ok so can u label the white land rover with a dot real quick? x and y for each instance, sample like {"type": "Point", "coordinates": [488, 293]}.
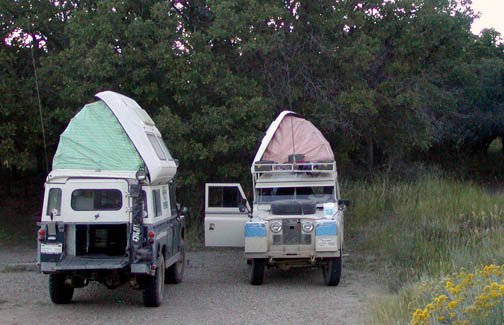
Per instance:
{"type": "Point", "coordinates": [109, 211]}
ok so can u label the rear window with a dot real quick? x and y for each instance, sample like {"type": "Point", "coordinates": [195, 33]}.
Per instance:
{"type": "Point", "coordinates": [96, 200]}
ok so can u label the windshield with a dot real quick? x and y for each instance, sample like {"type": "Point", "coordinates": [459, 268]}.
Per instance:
{"type": "Point", "coordinates": [317, 194]}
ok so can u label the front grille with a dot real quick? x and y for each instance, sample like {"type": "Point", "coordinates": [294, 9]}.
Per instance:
{"type": "Point", "coordinates": [291, 232]}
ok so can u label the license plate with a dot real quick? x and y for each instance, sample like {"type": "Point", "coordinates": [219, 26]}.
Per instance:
{"type": "Point", "coordinates": [51, 248]}
{"type": "Point", "coordinates": [326, 242]}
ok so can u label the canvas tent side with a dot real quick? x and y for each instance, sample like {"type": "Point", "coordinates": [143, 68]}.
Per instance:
{"type": "Point", "coordinates": [291, 134]}
{"type": "Point", "coordinates": [113, 137]}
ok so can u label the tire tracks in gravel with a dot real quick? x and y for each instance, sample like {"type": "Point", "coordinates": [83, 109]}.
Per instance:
{"type": "Point", "coordinates": [215, 290]}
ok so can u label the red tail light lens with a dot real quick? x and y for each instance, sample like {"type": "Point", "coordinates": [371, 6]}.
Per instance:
{"type": "Point", "coordinates": [41, 235]}
{"type": "Point", "coordinates": [151, 235]}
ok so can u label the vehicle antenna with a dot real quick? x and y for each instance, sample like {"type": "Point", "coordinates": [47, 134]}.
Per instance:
{"type": "Point", "coordinates": [40, 108]}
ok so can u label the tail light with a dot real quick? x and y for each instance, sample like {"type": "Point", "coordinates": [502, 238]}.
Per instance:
{"type": "Point", "coordinates": [151, 235]}
{"type": "Point", "coordinates": [41, 235]}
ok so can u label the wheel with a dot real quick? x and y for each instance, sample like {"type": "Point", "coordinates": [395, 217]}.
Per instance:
{"type": "Point", "coordinates": [153, 286]}
{"type": "Point", "coordinates": [175, 273]}
{"type": "Point", "coordinates": [60, 292]}
{"type": "Point", "coordinates": [332, 271]}
{"type": "Point", "coordinates": [257, 274]}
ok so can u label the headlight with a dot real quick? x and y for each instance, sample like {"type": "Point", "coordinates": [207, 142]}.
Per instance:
{"type": "Point", "coordinates": [307, 226]}
{"type": "Point", "coordinates": [276, 226]}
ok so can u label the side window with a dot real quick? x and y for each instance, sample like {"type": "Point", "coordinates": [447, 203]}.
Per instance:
{"type": "Point", "coordinates": [168, 153]}
{"type": "Point", "coordinates": [96, 200]}
{"type": "Point", "coordinates": [54, 202]}
{"type": "Point", "coordinates": [173, 202]}
{"type": "Point", "coordinates": [224, 197]}
{"type": "Point", "coordinates": [144, 204]}
{"type": "Point", "coordinates": [156, 198]}
{"type": "Point", "coordinates": [157, 147]}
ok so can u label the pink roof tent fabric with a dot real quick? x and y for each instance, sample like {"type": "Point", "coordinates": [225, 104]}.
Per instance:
{"type": "Point", "coordinates": [295, 135]}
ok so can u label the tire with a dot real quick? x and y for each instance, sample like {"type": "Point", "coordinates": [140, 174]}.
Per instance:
{"type": "Point", "coordinates": [332, 271]}
{"type": "Point", "coordinates": [60, 292]}
{"type": "Point", "coordinates": [153, 286]}
{"type": "Point", "coordinates": [175, 273]}
{"type": "Point", "coordinates": [257, 273]}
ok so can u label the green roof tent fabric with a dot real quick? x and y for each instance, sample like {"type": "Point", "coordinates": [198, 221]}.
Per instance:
{"type": "Point", "coordinates": [95, 140]}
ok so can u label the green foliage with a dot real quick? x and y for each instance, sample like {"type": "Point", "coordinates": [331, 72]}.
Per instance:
{"type": "Point", "coordinates": [383, 80]}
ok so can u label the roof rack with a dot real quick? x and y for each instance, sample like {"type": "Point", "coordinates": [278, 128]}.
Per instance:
{"type": "Point", "coordinates": [294, 167]}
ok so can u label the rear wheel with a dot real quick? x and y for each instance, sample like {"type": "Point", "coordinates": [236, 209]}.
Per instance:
{"type": "Point", "coordinates": [332, 271]}
{"type": "Point", "coordinates": [153, 286]}
{"type": "Point", "coordinates": [60, 292]}
{"type": "Point", "coordinates": [257, 273]}
{"type": "Point", "coordinates": [175, 273]}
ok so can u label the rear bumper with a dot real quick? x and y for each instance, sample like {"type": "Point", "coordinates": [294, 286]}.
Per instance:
{"type": "Point", "coordinates": [85, 263]}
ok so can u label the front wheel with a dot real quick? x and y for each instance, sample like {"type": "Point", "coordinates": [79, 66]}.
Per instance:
{"type": "Point", "coordinates": [153, 286]}
{"type": "Point", "coordinates": [332, 271]}
{"type": "Point", "coordinates": [257, 273]}
{"type": "Point", "coordinates": [175, 273]}
{"type": "Point", "coordinates": [60, 292]}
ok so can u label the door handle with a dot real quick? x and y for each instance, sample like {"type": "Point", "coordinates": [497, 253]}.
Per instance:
{"type": "Point", "coordinates": [212, 227]}
{"type": "Point", "coordinates": [97, 216]}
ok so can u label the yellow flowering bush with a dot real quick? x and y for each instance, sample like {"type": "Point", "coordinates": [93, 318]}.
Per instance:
{"type": "Point", "coordinates": [466, 298]}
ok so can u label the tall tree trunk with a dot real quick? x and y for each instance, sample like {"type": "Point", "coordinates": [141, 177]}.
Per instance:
{"type": "Point", "coordinates": [370, 151]}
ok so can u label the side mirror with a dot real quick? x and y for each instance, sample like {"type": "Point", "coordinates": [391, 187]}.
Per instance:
{"type": "Point", "coordinates": [243, 206]}
{"type": "Point", "coordinates": [344, 203]}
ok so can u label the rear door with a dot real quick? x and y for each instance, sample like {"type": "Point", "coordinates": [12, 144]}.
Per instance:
{"type": "Point", "coordinates": [224, 223]}
{"type": "Point", "coordinates": [96, 201]}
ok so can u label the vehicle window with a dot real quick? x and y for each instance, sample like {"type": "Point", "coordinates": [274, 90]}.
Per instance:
{"type": "Point", "coordinates": [144, 204]}
{"type": "Point", "coordinates": [275, 194]}
{"type": "Point", "coordinates": [318, 194]}
{"type": "Point", "coordinates": [224, 197]}
{"type": "Point", "coordinates": [54, 202]}
{"type": "Point", "coordinates": [96, 200]}
{"type": "Point", "coordinates": [157, 147]}
{"type": "Point", "coordinates": [168, 153]}
{"type": "Point", "coordinates": [173, 202]}
{"type": "Point", "coordinates": [156, 197]}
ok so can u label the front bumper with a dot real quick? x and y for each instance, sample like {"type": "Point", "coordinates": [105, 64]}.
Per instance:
{"type": "Point", "coordinates": [309, 255]}
{"type": "Point", "coordinates": [292, 243]}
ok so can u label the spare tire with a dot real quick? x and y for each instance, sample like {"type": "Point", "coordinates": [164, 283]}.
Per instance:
{"type": "Point", "coordinates": [293, 207]}
{"type": "Point", "coordinates": [308, 207]}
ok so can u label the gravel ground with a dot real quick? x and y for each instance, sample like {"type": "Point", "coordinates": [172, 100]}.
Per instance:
{"type": "Point", "coordinates": [215, 290]}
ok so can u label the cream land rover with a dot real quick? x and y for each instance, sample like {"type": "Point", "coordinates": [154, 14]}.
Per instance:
{"type": "Point", "coordinates": [297, 218]}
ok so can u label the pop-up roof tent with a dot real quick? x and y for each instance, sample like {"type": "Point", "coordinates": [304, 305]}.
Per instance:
{"type": "Point", "coordinates": [113, 137]}
{"type": "Point", "coordinates": [291, 134]}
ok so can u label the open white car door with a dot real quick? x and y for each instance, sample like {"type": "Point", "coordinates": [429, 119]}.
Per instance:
{"type": "Point", "coordinates": [224, 223]}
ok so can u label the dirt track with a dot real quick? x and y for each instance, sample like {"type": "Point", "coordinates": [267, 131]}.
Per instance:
{"type": "Point", "coordinates": [215, 290]}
